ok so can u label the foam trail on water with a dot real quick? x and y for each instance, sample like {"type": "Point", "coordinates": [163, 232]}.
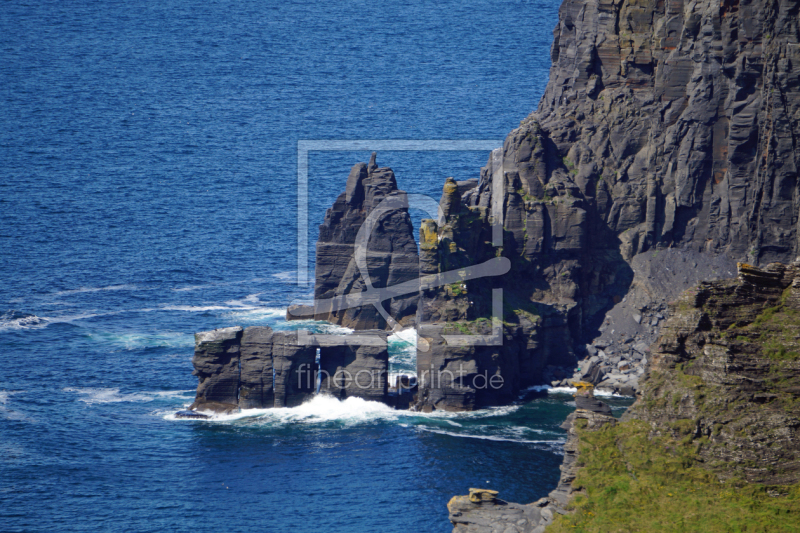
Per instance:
{"type": "Point", "coordinates": [556, 442]}
{"type": "Point", "coordinates": [112, 395]}
{"type": "Point", "coordinates": [14, 320]}
{"type": "Point", "coordinates": [134, 341]}
{"type": "Point", "coordinates": [123, 287]}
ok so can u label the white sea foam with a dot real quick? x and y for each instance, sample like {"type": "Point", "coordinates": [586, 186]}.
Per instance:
{"type": "Point", "coordinates": [250, 314]}
{"type": "Point", "coordinates": [134, 341]}
{"type": "Point", "coordinates": [290, 276]}
{"type": "Point", "coordinates": [123, 287]}
{"type": "Point", "coordinates": [320, 409]}
{"type": "Point", "coordinates": [113, 395]}
{"type": "Point", "coordinates": [8, 413]}
{"type": "Point", "coordinates": [323, 409]}
{"type": "Point", "coordinates": [12, 321]}
{"type": "Point", "coordinates": [572, 390]}
{"type": "Point", "coordinates": [403, 347]}
{"type": "Point", "coordinates": [549, 443]}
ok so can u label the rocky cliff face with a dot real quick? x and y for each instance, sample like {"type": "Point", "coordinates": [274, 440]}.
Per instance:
{"type": "Point", "coordinates": [727, 367]}
{"type": "Point", "coordinates": [677, 121]}
{"type": "Point", "coordinates": [389, 250]}
{"type": "Point", "coordinates": [664, 126]}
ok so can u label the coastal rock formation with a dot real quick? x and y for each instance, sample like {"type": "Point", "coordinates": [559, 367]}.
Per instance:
{"type": "Point", "coordinates": [728, 363]}
{"type": "Point", "coordinates": [455, 376]}
{"type": "Point", "coordinates": [257, 368]}
{"type": "Point", "coordinates": [356, 369]}
{"type": "Point", "coordinates": [676, 121]}
{"type": "Point", "coordinates": [664, 127]}
{"type": "Point", "coordinates": [390, 255]}
{"type": "Point", "coordinates": [252, 368]}
{"type": "Point", "coordinates": [216, 365]}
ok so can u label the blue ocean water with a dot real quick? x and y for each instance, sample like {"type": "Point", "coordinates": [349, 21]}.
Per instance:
{"type": "Point", "coordinates": [148, 190]}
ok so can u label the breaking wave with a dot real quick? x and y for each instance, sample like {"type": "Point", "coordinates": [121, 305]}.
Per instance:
{"type": "Point", "coordinates": [403, 350]}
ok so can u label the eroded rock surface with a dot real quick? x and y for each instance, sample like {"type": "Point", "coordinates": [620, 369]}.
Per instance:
{"type": "Point", "coordinates": [357, 370]}
{"type": "Point", "coordinates": [727, 368]}
{"type": "Point", "coordinates": [371, 195]}
{"type": "Point", "coordinates": [257, 368]}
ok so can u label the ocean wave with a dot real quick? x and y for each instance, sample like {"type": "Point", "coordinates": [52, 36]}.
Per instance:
{"type": "Point", "coordinates": [6, 412]}
{"type": "Point", "coordinates": [325, 409]}
{"type": "Point", "coordinates": [92, 396]}
{"type": "Point", "coordinates": [249, 314]}
{"type": "Point", "coordinates": [320, 409]}
{"type": "Point", "coordinates": [403, 348]}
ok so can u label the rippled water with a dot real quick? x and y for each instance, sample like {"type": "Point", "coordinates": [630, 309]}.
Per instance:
{"type": "Point", "coordinates": [148, 191]}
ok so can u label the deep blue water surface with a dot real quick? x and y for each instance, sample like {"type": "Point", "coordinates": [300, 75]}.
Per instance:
{"type": "Point", "coordinates": [148, 190]}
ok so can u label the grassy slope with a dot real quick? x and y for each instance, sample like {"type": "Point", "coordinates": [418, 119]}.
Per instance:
{"type": "Point", "coordinates": [632, 483]}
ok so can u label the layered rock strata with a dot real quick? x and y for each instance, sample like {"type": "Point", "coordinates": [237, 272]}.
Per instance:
{"type": "Point", "coordinates": [256, 368]}
{"type": "Point", "coordinates": [727, 368]}
{"type": "Point", "coordinates": [356, 370]}
{"type": "Point", "coordinates": [664, 126]}
{"type": "Point", "coordinates": [371, 206]}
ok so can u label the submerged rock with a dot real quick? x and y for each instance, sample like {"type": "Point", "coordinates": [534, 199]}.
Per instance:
{"type": "Point", "coordinates": [191, 414]}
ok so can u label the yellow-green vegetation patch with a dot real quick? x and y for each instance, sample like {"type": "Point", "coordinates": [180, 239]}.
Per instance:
{"type": "Point", "coordinates": [777, 329]}
{"type": "Point", "coordinates": [633, 482]}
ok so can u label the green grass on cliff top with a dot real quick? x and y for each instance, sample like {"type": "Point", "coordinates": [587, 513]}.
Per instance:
{"type": "Point", "coordinates": [634, 483]}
